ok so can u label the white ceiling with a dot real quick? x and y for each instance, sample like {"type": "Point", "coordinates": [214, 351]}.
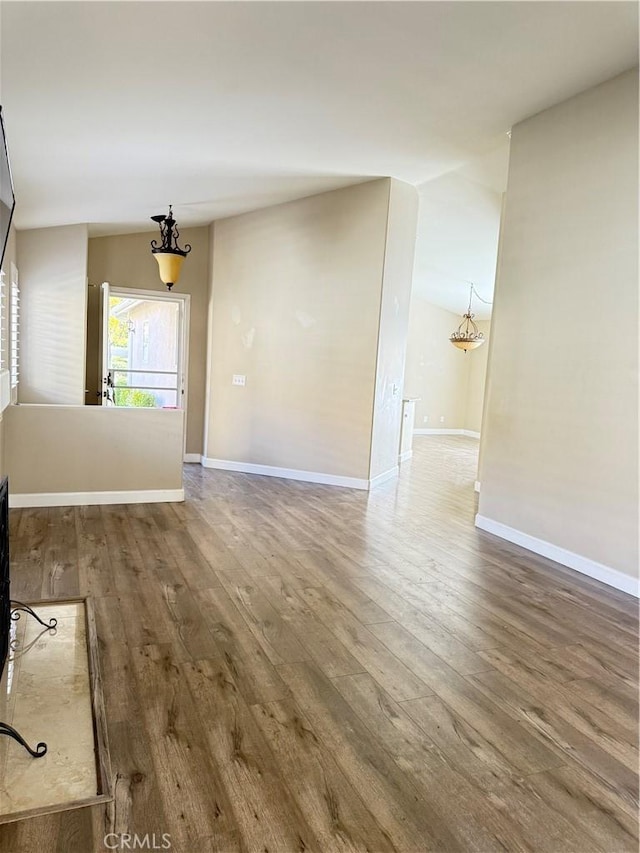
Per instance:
{"type": "Point", "coordinates": [113, 110]}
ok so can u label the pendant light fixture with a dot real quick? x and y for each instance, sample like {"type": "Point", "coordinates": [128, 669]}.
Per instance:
{"type": "Point", "coordinates": [168, 254]}
{"type": "Point", "coordinates": [467, 336]}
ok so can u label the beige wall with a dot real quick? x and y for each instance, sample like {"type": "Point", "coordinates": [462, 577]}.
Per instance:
{"type": "Point", "coordinates": [126, 261]}
{"type": "Point", "coordinates": [560, 461]}
{"type": "Point", "coordinates": [52, 265]}
{"type": "Point", "coordinates": [394, 321]}
{"type": "Point", "coordinates": [56, 449]}
{"type": "Point", "coordinates": [295, 305]}
{"type": "Point", "coordinates": [449, 383]}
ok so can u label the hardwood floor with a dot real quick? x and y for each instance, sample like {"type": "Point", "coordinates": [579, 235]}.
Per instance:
{"type": "Point", "coordinates": [292, 667]}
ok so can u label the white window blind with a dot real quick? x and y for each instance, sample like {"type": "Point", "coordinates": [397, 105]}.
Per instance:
{"type": "Point", "coordinates": [4, 324]}
{"type": "Point", "coordinates": [14, 329]}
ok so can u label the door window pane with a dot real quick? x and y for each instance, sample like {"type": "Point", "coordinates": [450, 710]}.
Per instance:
{"type": "Point", "coordinates": [142, 359]}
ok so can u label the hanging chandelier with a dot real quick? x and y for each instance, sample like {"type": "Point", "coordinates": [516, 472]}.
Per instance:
{"type": "Point", "coordinates": [168, 254]}
{"type": "Point", "coordinates": [467, 336]}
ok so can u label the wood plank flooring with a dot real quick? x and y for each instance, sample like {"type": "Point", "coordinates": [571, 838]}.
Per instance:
{"type": "Point", "coordinates": [292, 667]}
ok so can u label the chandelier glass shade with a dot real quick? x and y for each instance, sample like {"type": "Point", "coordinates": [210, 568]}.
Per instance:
{"type": "Point", "coordinates": [467, 336]}
{"type": "Point", "coordinates": [168, 254]}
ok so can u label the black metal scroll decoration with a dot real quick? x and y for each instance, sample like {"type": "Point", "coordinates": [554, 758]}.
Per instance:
{"type": "Point", "coordinates": [38, 752]}
{"type": "Point", "coordinates": [5, 728]}
{"type": "Point", "coordinates": [169, 235]}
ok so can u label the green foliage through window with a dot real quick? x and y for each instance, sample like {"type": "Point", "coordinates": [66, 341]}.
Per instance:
{"type": "Point", "coordinates": [134, 397]}
{"type": "Point", "coordinates": [118, 327]}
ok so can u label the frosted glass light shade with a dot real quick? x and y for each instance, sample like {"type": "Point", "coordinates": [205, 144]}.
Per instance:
{"type": "Point", "coordinates": [169, 265]}
{"type": "Point", "coordinates": [467, 345]}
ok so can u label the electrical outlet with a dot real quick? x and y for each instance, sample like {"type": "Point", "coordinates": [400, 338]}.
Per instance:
{"type": "Point", "coordinates": [239, 379]}
{"type": "Point", "coordinates": [441, 419]}
{"type": "Point", "coordinates": [425, 419]}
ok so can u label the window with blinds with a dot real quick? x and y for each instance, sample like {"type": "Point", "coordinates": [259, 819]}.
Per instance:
{"type": "Point", "coordinates": [14, 330]}
{"type": "Point", "coordinates": [4, 324]}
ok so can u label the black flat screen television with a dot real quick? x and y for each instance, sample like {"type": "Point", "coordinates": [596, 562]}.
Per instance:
{"type": "Point", "coordinates": [7, 197]}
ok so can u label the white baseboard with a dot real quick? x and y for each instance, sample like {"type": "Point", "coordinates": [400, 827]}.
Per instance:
{"type": "Point", "coordinates": [95, 498]}
{"type": "Point", "coordinates": [437, 432]}
{"type": "Point", "coordinates": [406, 455]}
{"type": "Point", "coordinates": [382, 478]}
{"type": "Point", "coordinates": [469, 433]}
{"type": "Point", "coordinates": [605, 574]}
{"type": "Point", "coordinates": [192, 457]}
{"type": "Point", "coordinates": [476, 487]}
{"type": "Point", "coordinates": [287, 473]}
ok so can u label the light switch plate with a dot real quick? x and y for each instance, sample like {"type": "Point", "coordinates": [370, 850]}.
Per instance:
{"type": "Point", "coordinates": [239, 379]}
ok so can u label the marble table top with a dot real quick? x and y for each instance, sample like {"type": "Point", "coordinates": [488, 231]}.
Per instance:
{"type": "Point", "coordinates": [45, 694]}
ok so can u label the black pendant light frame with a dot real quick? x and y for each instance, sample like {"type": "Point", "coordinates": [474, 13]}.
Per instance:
{"type": "Point", "coordinates": [169, 235]}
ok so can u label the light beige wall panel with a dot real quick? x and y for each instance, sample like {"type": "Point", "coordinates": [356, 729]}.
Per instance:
{"type": "Point", "coordinates": [92, 449]}
{"type": "Point", "coordinates": [52, 263]}
{"type": "Point", "coordinates": [436, 371]}
{"type": "Point", "coordinates": [477, 363]}
{"type": "Point", "coordinates": [394, 321]}
{"type": "Point", "coordinates": [295, 306]}
{"type": "Point", "coordinates": [126, 261]}
{"type": "Point", "coordinates": [560, 461]}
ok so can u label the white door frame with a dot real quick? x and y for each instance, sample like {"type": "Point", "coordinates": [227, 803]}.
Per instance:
{"type": "Point", "coordinates": [184, 302]}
